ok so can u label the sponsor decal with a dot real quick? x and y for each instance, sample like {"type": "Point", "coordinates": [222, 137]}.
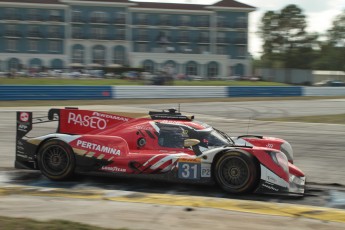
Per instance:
{"type": "Point", "coordinates": [24, 117]}
{"type": "Point", "coordinates": [110, 116]}
{"type": "Point", "coordinates": [113, 169]}
{"type": "Point", "coordinates": [270, 186]}
{"type": "Point", "coordinates": [97, 147]}
{"type": "Point", "coordinates": [205, 170]}
{"type": "Point", "coordinates": [87, 121]}
{"type": "Point", "coordinates": [189, 160]}
{"type": "Point", "coordinates": [22, 127]}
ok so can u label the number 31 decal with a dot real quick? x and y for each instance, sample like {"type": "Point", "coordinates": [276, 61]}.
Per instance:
{"type": "Point", "coordinates": [188, 170]}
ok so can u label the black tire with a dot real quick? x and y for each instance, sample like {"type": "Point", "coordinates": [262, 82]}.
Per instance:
{"type": "Point", "coordinates": [237, 172]}
{"type": "Point", "coordinates": [56, 160]}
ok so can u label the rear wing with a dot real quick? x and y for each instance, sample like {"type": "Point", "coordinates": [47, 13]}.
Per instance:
{"type": "Point", "coordinates": [71, 120]}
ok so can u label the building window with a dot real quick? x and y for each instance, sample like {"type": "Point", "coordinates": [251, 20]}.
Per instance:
{"type": "Point", "coordinates": [34, 15]}
{"type": "Point", "coordinates": [241, 22]}
{"type": "Point", "coordinates": [12, 45]}
{"type": "Point", "coordinates": [120, 34]}
{"type": "Point", "coordinates": [185, 20]}
{"type": "Point", "coordinates": [212, 70]}
{"type": "Point", "coordinates": [203, 21]}
{"type": "Point", "coordinates": [99, 33]}
{"type": "Point", "coordinates": [148, 66]}
{"type": "Point", "coordinates": [33, 45]}
{"type": "Point", "coordinates": [142, 47]}
{"type": "Point", "coordinates": [120, 18]}
{"type": "Point", "coordinates": [99, 17]}
{"type": "Point", "coordinates": [99, 55]}
{"type": "Point", "coordinates": [221, 21]}
{"type": "Point", "coordinates": [77, 16]}
{"type": "Point", "coordinates": [34, 31]}
{"type": "Point", "coordinates": [142, 35]}
{"type": "Point", "coordinates": [241, 51]}
{"type": "Point", "coordinates": [203, 49]}
{"type": "Point", "coordinates": [77, 32]}
{"type": "Point", "coordinates": [163, 37]}
{"type": "Point", "coordinates": [221, 37]}
{"type": "Point", "coordinates": [204, 37]}
{"type": "Point", "coordinates": [119, 56]}
{"type": "Point", "coordinates": [222, 50]}
{"type": "Point", "coordinates": [142, 19]}
{"type": "Point", "coordinates": [78, 55]}
{"type": "Point", "coordinates": [53, 32]}
{"type": "Point", "coordinates": [184, 36]}
{"type": "Point", "coordinates": [53, 46]}
{"type": "Point", "coordinates": [192, 69]}
{"type": "Point", "coordinates": [54, 15]}
{"type": "Point", "coordinates": [165, 20]}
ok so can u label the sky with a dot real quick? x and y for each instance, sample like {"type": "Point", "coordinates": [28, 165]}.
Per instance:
{"type": "Point", "coordinates": [319, 14]}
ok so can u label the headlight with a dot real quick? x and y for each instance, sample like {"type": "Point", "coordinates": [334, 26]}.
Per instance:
{"type": "Point", "coordinates": [281, 160]}
{"type": "Point", "coordinates": [287, 149]}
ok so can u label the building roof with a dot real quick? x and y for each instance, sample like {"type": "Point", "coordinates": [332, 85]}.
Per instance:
{"type": "Point", "coordinates": [34, 1]}
{"type": "Point", "coordinates": [152, 5]}
{"type": "Point", "coordinates": [230, 3]}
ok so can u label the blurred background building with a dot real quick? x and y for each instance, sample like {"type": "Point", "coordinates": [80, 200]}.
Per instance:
{"type": "Point", "coordinates": [200, 40]}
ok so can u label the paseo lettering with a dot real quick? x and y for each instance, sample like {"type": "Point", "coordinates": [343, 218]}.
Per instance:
{"type": "Point", "coordinates": [87, 121]}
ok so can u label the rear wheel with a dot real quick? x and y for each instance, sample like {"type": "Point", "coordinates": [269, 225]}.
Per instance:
{"type": "Point", "coordinates": [237, 172]}
{"type": "Point", "coordinates": [56, 160]}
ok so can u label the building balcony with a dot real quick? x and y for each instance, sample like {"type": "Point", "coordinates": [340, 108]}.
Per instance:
{"type": "Point", "coordinates": [34, 17]}
{"type": "Point", "coordinates": [223, 40]}
{"type": "Point", "coordinates": [184, 24]}
{"type": "Point", "coordinates": [222, 24]}
{"type": "Point", "coordinates": [12, 17]}
{"type": "Point", "coordinates": [183, 39]}
{"type": "Point", "coordinates": [240, 41]}
{"type": "Point", "coordinates": [13, 33]}
{"type": "Point", "coordinates": [99, 20]}
{"type": "Point", "coordinates": [240, 25]}
{"type": "Point", "coordinates": [55, 35]}
{"type": "Point", "coordinates": [120, 21]}
{"type": "Point", "coordinates": [143, 22]}
{"type": "Point", "coordinates": [203, 40]}
{"type": "Point", "coordinates": [141, 38]}
{"type": "Point", "coordinates": [78, 20]}
{"type": "Point", "coordinates": [100, 37]}
{"type": "Point", "coordinates": [203, 24]}
{"type": "Point", "coordinates": [165, 23]}
{"type": "Point", "coordinates": [79, 36]}
{"type": "Point", "coordinates": [120, 37]}
{"type": "Point", "coordinates": [56, 19]}
{"type": "Point", "coordinates": [35, 34]}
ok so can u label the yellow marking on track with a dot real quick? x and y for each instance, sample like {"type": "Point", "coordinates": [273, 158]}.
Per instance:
{"type": "Point", "coordinates": [256, 207]}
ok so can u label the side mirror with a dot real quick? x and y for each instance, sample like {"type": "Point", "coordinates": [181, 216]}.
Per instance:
{"type": "Point", "coordinates": [190, 142]}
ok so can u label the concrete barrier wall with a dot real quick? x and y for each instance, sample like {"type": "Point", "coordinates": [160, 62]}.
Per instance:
{"type": "Point", "coordinates": [323, 91]}
{"type": "Point", "coordinates": [14, 92]}
{"type": "Point", "coordinates": [265, 91]}
{"type": "Point", "coordinates": [122, 92]}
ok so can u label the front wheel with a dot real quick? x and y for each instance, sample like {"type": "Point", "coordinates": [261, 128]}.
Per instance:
{"type": "Point", "coordinates": [237, 172]}
{"type": "Point", "coordinates": [56, 160]}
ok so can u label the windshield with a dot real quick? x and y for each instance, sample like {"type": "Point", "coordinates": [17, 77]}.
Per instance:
{"type": "Point", "coordinates": [212, 138]}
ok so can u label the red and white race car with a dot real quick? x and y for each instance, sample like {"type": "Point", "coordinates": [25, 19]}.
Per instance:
{"type": "Point", "coordinates": [165, 143]}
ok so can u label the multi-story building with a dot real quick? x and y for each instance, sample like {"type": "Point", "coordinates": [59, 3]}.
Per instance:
{"type": "Point", "coordinates": [204, 40]}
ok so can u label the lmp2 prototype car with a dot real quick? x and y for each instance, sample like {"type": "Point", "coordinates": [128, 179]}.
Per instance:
{"type": "Point", "coordinates": [163, 143]}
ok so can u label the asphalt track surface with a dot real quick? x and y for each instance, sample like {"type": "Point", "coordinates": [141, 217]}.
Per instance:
{"type": "Point", "coordinates": [318, 151]}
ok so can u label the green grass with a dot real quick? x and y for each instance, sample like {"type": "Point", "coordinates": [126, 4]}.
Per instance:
{"type": "Point", "coordinates": [9, 223]}
{"type": "Point", "coordinates": [331, 119]}
{"type": "Point", "coordinates": [95, 81]}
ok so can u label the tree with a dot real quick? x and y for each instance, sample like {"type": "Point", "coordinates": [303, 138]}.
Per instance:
{"type": "Point", "coordinates": [286, 43]}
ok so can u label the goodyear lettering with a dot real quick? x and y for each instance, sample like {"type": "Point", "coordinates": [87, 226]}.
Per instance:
{"type": "Point", "coordinates": [87, 121]}
{"type": "Point", "coordinates": [97, 147]}
{"type": "Point", "coordinates": [110, 116]}
{"type": "Point", "coordinates": [113, 169]}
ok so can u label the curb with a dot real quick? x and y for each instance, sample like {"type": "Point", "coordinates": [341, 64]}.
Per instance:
{"type": "Point", "coordinates": [255, 207]}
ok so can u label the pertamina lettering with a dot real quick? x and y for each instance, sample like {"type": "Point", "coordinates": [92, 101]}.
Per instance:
{"type": "Point", "coordinates": [87, 121]}
{"type": "Point", "coordinates": [110, 116]}
{"type": "Point", "coordinates": [97, 147]}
